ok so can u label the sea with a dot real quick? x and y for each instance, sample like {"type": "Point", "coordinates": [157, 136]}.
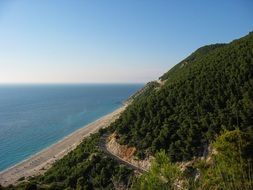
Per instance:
{"type": "Point", "coordinates": [33, 117]}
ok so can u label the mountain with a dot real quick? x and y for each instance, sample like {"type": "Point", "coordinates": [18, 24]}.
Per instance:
{"type": "Point", "coordinates": [193, 57]}
{"type": "Point", "coordinates": [197, 120]}
{"type": "Point", "coordinates": [208, 92]}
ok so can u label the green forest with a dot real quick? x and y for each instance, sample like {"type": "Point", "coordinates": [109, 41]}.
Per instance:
{"type": "Point", "coordinates": [208, 92]}
{"type": "Point", "coordinates": [204, 101]}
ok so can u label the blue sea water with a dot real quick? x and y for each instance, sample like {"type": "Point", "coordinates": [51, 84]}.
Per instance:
{"type": "Point", "coordinates": [33, 117]}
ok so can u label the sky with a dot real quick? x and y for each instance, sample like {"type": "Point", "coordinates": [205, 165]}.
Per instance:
{"type": "Point", "coordinates": [110, 41]}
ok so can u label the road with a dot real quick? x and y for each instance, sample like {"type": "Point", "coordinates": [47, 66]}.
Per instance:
{"type": "Point", "coordinates": [102, 146]}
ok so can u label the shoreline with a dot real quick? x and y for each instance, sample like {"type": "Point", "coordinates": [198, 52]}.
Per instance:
{"type": "Point", "coordinates": [40, 162]}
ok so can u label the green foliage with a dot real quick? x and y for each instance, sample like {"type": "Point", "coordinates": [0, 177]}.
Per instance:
{"type": "Point", "coordinates": [228, 168]}
{"type": "Point", "coordinates": [212, 92]}
{"type": "Point", "coordinates": [209, 92]}
{"type": "Point", "coordinates": [234, 144]}
{"type": "Point", "coordinates": [232, 167]}
{"type": "Point", "coordinates": [163, 175]}
{"type": "Point", "coordinates": [86, 167]}
{"type": "Point", "coordinates": [193, 57]}
{"type": "Point", "coordinates": [145, 91]}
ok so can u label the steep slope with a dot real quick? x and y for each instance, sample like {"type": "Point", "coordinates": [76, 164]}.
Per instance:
{"type": "Point", "coordinates": [213, 92]}
{"type": "Point", "coordinates": [144, 92]}
{"type": "Point", "coordinates": [181, 114]}
{"type": "Point", "coordinates": [193, 57]}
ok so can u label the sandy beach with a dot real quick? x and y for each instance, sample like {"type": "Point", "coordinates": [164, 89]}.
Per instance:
{"type": "Point", "coordinates": [40, 162]}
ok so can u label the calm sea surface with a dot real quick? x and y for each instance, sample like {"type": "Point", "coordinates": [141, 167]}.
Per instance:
{"type": "Point", "coordinates": [34, 117]}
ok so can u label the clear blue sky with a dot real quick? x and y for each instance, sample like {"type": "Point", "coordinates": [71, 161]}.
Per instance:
{"type": "Point", "coordinates": [110, 41]}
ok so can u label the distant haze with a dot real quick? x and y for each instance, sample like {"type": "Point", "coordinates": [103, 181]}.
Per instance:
{"type": "Point", "coordinates": [110, 41]}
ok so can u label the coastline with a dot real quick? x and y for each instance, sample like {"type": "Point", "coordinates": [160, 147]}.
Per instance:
{"type": "Point", "coordinates": [40, 162]}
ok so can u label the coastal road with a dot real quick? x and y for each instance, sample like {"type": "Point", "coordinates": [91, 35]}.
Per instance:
{"type": "Point", "coordinates": [102, 146]}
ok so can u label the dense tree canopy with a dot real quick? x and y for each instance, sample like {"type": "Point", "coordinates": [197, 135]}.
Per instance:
{"type": "Point", "coordinates": [226, 169]}
{"type": "Point", "coordinates": [209, 91]}
{"type": "Point", "coordinates": [206, 94]}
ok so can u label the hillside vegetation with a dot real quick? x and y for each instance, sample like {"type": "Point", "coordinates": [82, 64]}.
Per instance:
{"type": "Point", "coordinates": [86, 167]}
{"type": "Point", "coordinates": [200, 114]}
{"type": "Point", "coordinates": [210, 91]}
{"type": "Point", "coordinates": [226, 168]}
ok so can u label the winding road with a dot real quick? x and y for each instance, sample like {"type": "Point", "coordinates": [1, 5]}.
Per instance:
{"type": "Point", "coordinates": [102, 146]}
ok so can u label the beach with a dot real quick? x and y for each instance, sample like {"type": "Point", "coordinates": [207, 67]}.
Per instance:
{"type": "Point", "coordinates": [40, 162]}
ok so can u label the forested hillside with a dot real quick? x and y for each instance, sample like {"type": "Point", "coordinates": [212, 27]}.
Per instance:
{"type": "Point", "coordinates": [204, 101]}
{"type": "Point", "coordinates": [193, 57]}
{"type": "Point", "coordinates": [208, 92]}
